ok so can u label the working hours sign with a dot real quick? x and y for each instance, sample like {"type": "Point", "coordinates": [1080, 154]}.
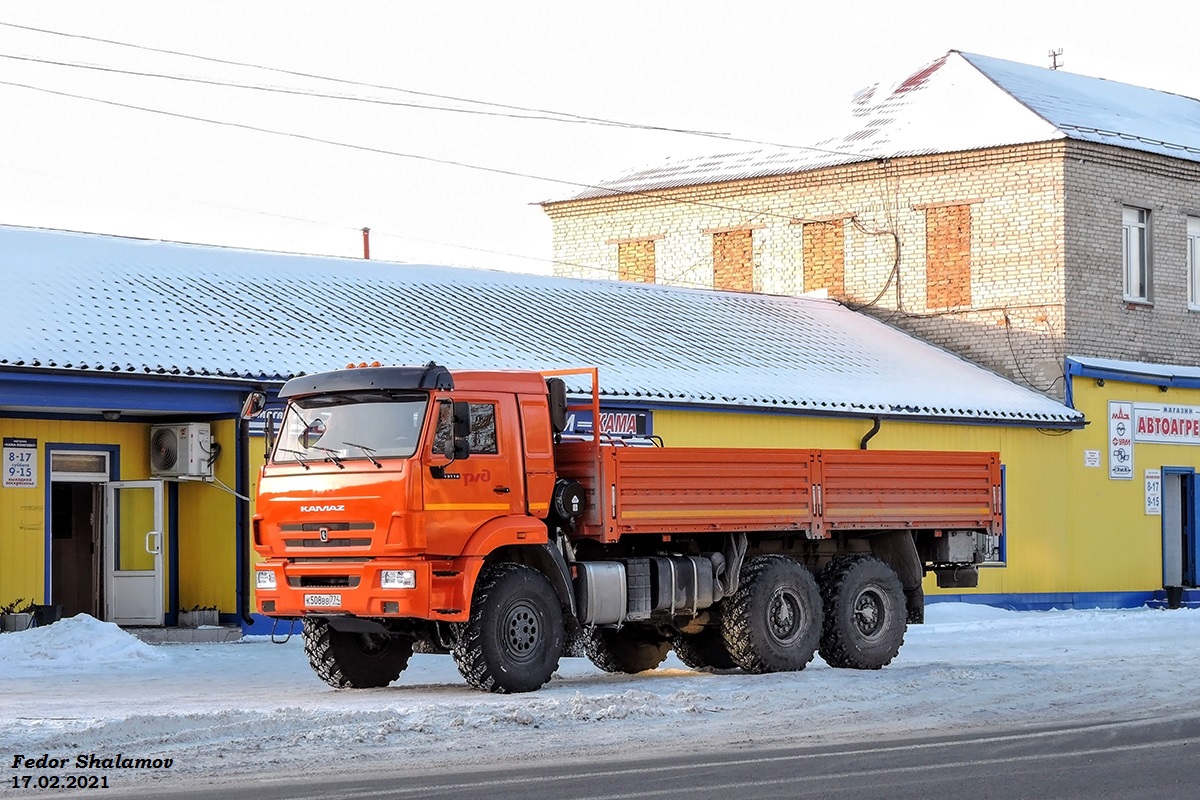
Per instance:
{"type": "Point", "coordinates": [20, 463]}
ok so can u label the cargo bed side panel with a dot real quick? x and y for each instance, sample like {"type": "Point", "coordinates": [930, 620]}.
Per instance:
{"type": "Point", "coordinates": [865, 489]}
{"type": "Point", "coordinates": [699, 490]}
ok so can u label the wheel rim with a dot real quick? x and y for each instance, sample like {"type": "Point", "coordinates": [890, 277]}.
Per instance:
{"type": "Point", "coordinates": [522, 632]}
{"type": "Point", "coordinates": [372, 645]}
{"type": "Point", "coordinates": [785, 616]}
{"type": "Point", "coordinates": [870, 613]}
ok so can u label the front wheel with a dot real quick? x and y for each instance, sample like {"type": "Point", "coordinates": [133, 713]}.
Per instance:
{"type": "Point", "coordinates": [772, 623]}
{"type": "Point", "coordinates": [348, 660]}
{"type": "Point", "coordinates": [514, 638]}
{"type": "Point", "coordinates": [864, 613]}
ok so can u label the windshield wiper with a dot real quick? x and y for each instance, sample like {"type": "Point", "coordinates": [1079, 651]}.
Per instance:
{"type": "Point", "coordinates": [332, 455]}
{"type": "Point", "coordinates": [299, 454]}
{"type": "Point", "coordinates": [366, 452]}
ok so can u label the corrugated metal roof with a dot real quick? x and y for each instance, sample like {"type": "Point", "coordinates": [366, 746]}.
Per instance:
{"type": "Point", "coordinates": [112, 305]}
{"type": "Point", "coordinates": [959, 102]}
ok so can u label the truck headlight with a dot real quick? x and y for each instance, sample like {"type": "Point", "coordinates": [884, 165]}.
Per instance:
{"type": "Point", "coordinates": [399, 579]}
{"type": "Point", "coordinates": [264, 579]}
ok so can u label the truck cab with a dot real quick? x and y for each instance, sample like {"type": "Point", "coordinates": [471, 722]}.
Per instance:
{"type": "Point", "coordinates": [385, 481]}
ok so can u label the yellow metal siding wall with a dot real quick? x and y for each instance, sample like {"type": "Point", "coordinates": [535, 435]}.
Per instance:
{"type": "Point", "coordinates": [23, 510]}
{"type": "Point", "coordinates": [1040, 544]}
{"type": "Point", "coordinates": [206, 514]}
{"type": "Point", "coordinates": [1116, 543]}
{"type": "Point", "coordinates": [207, 531]}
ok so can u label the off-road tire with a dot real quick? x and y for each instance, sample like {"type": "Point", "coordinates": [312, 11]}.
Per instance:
{"type": "Point", "coordinates": [772, 623]}
{"type": "Point", "coordinates": [347, 660]}
{"type": "Point", "coordinates": [514, 638]}
{"type": "Point", "coordinates": [865, 613]}
{"type": "Point", "coordinates": [703, 650]}
{"type": "Point", "coordinates": [627, 650]}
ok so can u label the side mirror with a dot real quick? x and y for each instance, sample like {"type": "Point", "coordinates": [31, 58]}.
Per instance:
{"type": "Point", "coordinates": [457, 445]}
{"type": "Point", "coordinates": [255, 404]}
{"type": "Point", "coordinates": [462, 419]}
{"type": "Point", "coordinates": [457, 448]}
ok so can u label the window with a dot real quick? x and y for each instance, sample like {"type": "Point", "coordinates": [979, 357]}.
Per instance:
{"type": "Point", "coordinates": [733, 260]}
{"type": "Point", "coordinates": [1135, 252]}
{"type": "Point", "coordinates": [635, 261]}
{"type": "Point", "coordinates": [351, 426]}
{"type": "Point", "coordinates": [948, 256]}
{"type": "Point", "coordinates": [483, 428]}
{"type": "Point", "coordinates": [1193, 262]}
{"type": "Point", "coordinates": [824, 254]}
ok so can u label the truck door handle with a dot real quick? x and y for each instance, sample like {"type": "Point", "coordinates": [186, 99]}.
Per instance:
{"type": "Point", "coordinates": [502, 490]}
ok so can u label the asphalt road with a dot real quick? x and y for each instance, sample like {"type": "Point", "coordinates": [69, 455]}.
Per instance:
{"type": "Point", "coordinates": [1143, 759]}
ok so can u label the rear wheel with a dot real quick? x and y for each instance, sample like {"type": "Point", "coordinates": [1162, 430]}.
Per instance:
{"type": "Point", "coordinates": [864, 613]}
{"type": "Point", "coordinates": [627, 650]}
{"type": "Point", "coordinates": [514, 638]}
{"type": "Point", "coordinates": [704, 649]}
{"type": "Point", "coordinates": [772, 623]}
{"type": "Point", "coordinates": [348, 660]}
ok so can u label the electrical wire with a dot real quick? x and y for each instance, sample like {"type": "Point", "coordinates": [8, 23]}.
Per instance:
{"type": "Point", "coordinates": [418, 93]}
{"type": "Point", "coordinates": [320, 95]}
{"type": "Point", "coordinates": [345, 81]}
{"type": "Point", "coordinates": [395, 153]}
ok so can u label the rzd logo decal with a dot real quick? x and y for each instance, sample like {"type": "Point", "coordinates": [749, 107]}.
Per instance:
{"type": "Point", "coordinates": [478, 477]}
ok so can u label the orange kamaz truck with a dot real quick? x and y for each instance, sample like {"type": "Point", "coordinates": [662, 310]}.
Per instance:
{"type": "Point", "coordinates": [452, 511]}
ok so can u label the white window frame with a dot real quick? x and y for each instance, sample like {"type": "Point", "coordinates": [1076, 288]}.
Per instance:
{"type": "Point", "coordinates": [1135, 260]}
{"type": "Point", "coordinates": [1193, 263]}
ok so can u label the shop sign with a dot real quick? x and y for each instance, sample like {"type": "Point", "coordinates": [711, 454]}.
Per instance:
{"type": "Point", "coordinates": [613, 423]}
{"type": "Point", "coordinates": [1120, 441]}
{"type": "Point", "coordinates": [20, 463]}
{"type": "Point", "coordinates": [1166, 424]}
{"type": "Point", "coordinates": [1154, 492]}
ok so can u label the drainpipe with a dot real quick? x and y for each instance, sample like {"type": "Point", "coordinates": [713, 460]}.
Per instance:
{"type": "Point", "coordinates": [243, 559]}
{"type": "Point", "coordinates": [862, 445]}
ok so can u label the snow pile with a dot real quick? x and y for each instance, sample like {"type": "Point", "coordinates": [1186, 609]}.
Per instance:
{"type": "Point", "coordinates": [74, 643]}
{"type": "Point", "coordinates": [257, 707]}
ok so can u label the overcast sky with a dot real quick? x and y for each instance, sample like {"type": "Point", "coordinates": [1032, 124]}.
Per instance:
{"type": "Point", "coordinates": [771, 71]}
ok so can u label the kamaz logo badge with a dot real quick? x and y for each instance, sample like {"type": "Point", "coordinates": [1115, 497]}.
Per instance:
{"type": "Point", "coordinates": [324, 533]}
{"type": "Point", "coordinates": [311, 509]}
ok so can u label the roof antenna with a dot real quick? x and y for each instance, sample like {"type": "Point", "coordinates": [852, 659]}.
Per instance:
{"type": "Point", "coordinates": [1054, 56]}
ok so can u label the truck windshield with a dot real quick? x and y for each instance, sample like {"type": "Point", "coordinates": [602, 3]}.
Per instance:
{"type": "Point", "coordinates": [343, 427]}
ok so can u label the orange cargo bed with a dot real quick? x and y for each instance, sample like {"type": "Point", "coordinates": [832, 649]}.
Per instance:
{"type": "Point", "coordinates": [654, 490]}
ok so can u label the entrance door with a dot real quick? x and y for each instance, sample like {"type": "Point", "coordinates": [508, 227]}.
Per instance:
{"type": "Point", "coordinates": [133, 552]}
{"type": "Point", "coordinates": [1180, 510]}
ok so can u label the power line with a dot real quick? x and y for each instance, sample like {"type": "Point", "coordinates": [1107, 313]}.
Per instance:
{"type": "Point", "coordinates": [307, 93]}
{"type": "Point", "coordinates": [395, 153]}
{"type": "Point", "coordinates": [347, 81]}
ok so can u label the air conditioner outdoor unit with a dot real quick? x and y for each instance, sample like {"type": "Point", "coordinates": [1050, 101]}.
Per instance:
{"type": "Point", "coordinates": [178, 451]}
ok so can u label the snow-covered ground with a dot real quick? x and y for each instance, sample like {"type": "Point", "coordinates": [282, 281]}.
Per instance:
{"type": "Point", "coordinates": [82, 686]}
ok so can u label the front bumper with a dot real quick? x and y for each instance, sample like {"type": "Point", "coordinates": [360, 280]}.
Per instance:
{"type": "Point", "coordinates": [354, 586]}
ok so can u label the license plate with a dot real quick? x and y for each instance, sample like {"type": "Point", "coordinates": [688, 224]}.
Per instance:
{"type": "Point", "coordinates": [323, 600]}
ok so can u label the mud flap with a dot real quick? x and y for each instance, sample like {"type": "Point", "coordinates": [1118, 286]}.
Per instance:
{"type": "Point", "coordinates": [898, 550]}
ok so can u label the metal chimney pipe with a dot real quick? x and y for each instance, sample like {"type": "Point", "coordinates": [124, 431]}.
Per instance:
{"type": "Point", "coordinates": [366, 243]}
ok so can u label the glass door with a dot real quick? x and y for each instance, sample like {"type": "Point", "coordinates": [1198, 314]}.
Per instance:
{"type": "Point", "coordinates": [133, 552]}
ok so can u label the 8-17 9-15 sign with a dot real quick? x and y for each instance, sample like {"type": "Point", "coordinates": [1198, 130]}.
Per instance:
{"type": "Point", "coordinates": [20, 462]}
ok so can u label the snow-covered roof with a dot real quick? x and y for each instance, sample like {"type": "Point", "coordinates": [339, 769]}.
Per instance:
{"type": "Point", "coordinates": [959, 102]}
{"type": "Point", "coordinates": [113, 305]}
